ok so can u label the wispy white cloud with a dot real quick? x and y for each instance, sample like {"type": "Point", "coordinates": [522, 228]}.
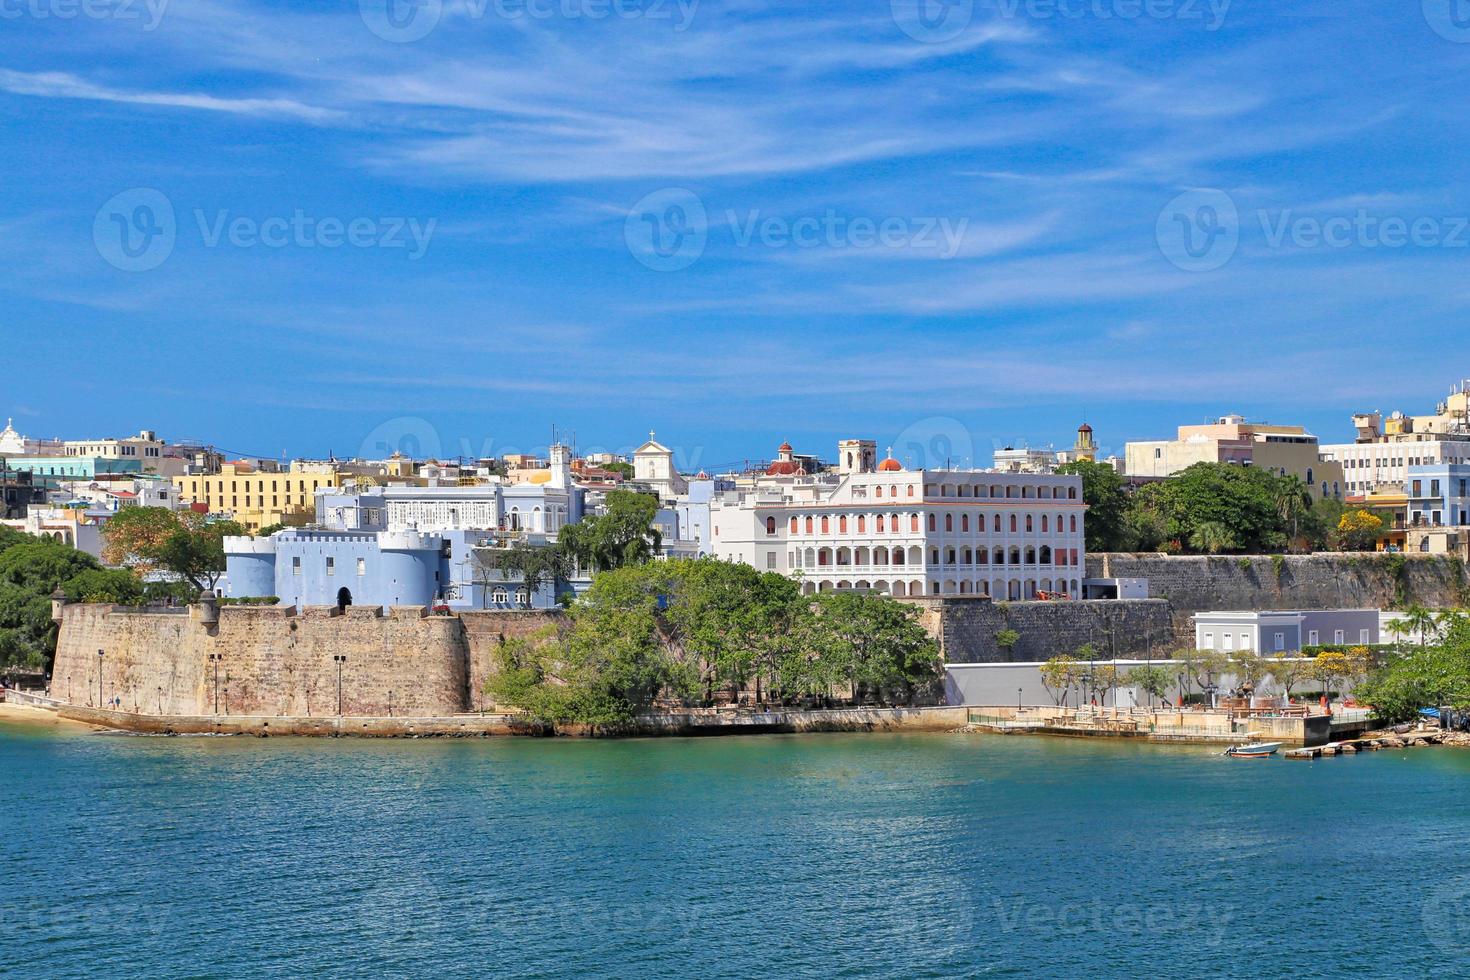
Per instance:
{"type": "Point", "coordinates": [61, 85]}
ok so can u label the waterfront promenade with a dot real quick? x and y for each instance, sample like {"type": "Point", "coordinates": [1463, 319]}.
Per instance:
{"type": "Point", "coordinates": [1304, 726]}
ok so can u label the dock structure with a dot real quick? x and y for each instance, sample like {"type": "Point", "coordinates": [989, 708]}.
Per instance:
{"type": "Point", "coordinates": [1354, 746]}
{"type": "Point", "coordinates": [1164, 724]}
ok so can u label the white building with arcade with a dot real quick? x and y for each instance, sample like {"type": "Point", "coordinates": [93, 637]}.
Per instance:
{"type": "Point", "coordinates": [910, 533]}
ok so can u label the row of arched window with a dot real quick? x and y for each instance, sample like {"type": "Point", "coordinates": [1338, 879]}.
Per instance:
{"type": "Point", "coordinates": [893, 524]}
{"type": "Point", "coordinates": [999, 492]}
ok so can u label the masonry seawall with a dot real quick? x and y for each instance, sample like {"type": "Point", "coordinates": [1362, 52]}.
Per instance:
{"type": "Point", "coordinates": [1191, 584]}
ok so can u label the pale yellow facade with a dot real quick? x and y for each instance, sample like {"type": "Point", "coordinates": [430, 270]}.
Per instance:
{"type": "Point", "coordinates": [259, 498]}
{"type": "Point", "coordinates": [1280, 449]}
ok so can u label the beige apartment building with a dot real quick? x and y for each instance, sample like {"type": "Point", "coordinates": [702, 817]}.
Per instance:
{"type": "Point", "coordinates": [1385, 448]}
{"type": "Point", "coordinates": [257, 497]}
{"type": "Point", "coordinates": [1280, 449]}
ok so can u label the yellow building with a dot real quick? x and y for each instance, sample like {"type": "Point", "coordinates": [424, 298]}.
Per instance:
{"type": "Point", "coordinates": [259, 498]}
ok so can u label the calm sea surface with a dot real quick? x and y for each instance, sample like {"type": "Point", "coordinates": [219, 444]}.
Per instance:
{"type": "Point", "coordinates": [827, 856]}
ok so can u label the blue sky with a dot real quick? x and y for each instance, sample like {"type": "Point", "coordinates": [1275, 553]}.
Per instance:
{"type": "Point", "coordinates": [950, 226]}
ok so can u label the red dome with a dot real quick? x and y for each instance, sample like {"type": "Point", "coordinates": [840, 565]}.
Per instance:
{"type": "Point", "coordinates": [785, 447]}
{"type": "Point", "coordinates": [785, 467]}
{"type": "Point", "coordinates": [890, 465]}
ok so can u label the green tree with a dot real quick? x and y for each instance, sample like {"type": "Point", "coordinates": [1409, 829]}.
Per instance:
{"type": "Point", "coordinates": [31, 570]}
{"type": "Point", "coordinates": [182, 542]}
{"type": "Point", "coordinates": [1107, 504]}
{"type": "Point", "coordinates": [1249, 668]}
{"type": "Point", "coordinates": [1215, 507]}
{"type": "Point", "coordinates": [623, 535]}
{"type": "Point", "coordinates": [1059, 674]}
{"type": "Point", "coordinates": [1202, 668]}
{"type": "Point", "coordinates": [1007, 639]}
{"type": "Point", "coordinates": [1293, 500]}
{"type": "Point", "coordinates": [1288, 671]}
{"type": "Point", "coordinates": [1429, 677]}
{"type": "Point", "coordinates": [680, 631]}
{"type": "Point", "coordinates": [1213, 537]}
{"type": "Point", "coordinates": [1151, 679]}
{"type": "Point", "coordinates": [533, 565]}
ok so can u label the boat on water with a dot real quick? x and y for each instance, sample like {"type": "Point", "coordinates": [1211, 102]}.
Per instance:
{"type": "Point", "coordinates": [1253, 749]}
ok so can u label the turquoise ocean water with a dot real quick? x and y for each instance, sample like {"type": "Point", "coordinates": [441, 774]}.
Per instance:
{"type": "Point", "coordinates": [820, 856]}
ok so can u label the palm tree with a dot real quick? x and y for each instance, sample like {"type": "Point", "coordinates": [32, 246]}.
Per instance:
{"type": "Point", "coordinates": [1213, 537]}
{"type": "Point", "coordinates": [1418, 620]}
{"type": "Point", "coordinates": [1293, 501]}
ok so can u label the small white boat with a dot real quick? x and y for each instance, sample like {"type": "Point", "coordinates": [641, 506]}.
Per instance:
{"type": "Point", "coordinates": [1253, 750]}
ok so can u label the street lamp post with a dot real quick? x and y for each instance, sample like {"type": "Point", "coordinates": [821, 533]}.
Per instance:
{"type": "Point", "coordinates": [160, 699]}
{"type": "Point", "coordinates": [390, 702]}
{"type": "Point", "coordinates": [215, 658]}
{"type": "Point", "coordinates": [340, 658]}
{"type": "Point", "coordinates": [99, 678]}
{"type": "Point", "coordinates": [1018, 699]}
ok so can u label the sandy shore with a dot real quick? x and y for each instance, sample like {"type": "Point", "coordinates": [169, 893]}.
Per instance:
{"type": "Point", "coordinates": [26, 714]}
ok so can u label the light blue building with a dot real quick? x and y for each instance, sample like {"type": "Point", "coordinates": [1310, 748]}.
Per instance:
{"type": "Point", "coordinates": [310, 567]}
{"type": "Point", "coordinates": [72, 467]}
{"type": "Point", "coordinates": [411, 545]}
{"type": "Point", "coordinates": [1439, 495]}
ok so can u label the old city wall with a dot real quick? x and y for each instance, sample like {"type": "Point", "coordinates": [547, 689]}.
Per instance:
{"type": "Point", "coordinates": [278, 660]}
{"type": "Point", "coordinates": [1192, 584]}
{"type": "Point", "coordinates": [485, 630]}
{"type": "Point", "coordinates": [969, 627]}
{"type": "Point", "coordinates": [272, 660]}
{"type": "Point", "coordinates": [148, 658]}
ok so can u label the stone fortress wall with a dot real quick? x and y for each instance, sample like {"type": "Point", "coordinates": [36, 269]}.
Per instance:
{"type": "Point", "coordinates": [275, 660]}
{"type": "Point", "coordinates": [1193, 583]}
{"type": "Point", "coordinates": [278, 661]}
